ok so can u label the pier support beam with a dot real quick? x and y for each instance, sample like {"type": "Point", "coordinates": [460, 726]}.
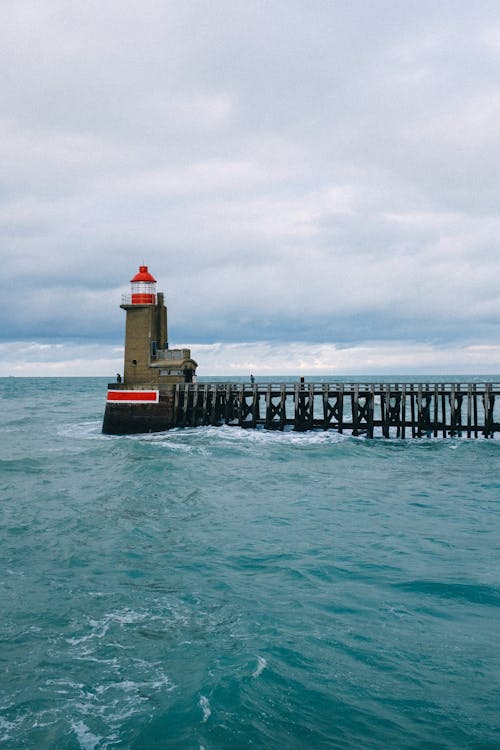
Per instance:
{"type": "Point", "coordinates": [398, 410]}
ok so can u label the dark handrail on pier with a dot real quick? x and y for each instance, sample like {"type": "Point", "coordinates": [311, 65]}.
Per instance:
{"type": "Point", "coordinates": [398, 410]}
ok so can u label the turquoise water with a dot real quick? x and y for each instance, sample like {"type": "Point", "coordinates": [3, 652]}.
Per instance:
{"type": "Point", "coordinates": [218, 588]}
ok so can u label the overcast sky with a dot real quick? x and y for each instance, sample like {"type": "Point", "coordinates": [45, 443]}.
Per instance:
{"type": "Point", "coordinates": [315, 185]}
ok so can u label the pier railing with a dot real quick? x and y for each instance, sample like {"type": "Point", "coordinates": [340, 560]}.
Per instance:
{"type": "Point", "coordinates": [399, 410]}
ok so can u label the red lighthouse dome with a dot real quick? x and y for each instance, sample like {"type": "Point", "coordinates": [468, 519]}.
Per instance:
{"type": "Point", "coordinates": [143, 287]}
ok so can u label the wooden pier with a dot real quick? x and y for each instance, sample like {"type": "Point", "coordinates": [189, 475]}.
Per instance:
{"type": "Point", "coordinates": [400, 410]}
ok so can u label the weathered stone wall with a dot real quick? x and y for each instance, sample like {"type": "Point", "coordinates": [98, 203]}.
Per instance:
{"type": "Point", "coordinates": [146, 324]}
{"type": "Point", "coordinates": [140, 330]}
{"type": "Point", "coordinates": [128, 419]}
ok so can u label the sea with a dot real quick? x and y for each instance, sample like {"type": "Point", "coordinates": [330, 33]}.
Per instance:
{"type": "Point", "coordinates": [216, 588]}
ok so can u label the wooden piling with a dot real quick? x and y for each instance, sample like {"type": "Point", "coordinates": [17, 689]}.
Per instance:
{"type": "Point", "coordinates": [204, 420]}
{"type": "Point", "coordinates": [340, 408]}
{"type": "Point", "coordinates": [469, 410]}
{"type": "Point", "coordinates": [255, 405]}
{"type": "Point", "coordinates": [355, 410]}
{"type": "Point", "coordinates": [401, 409]}
{"type": "Point", "coordinates": [175, 415]}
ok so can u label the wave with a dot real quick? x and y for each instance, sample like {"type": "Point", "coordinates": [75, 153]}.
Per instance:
{"type": "Point", "coordinates": [261, 665]}
{"type": "Point", "coordinates": [204, 704]}
{"type": "Point", "coordinates": [473, 593]}
{"type": "Point", "coordinates": [22, 465]}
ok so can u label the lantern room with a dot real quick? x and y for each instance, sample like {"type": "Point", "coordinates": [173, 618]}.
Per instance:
{"type": "Point", "coordinates": [143, 287]}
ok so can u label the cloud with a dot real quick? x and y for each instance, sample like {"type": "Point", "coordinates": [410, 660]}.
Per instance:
{"type": "Point", "coordinates": [42, 359]}
{"type": "Point", "coordinates": [323, 173]}
{"type": "Point", "coordinates": [264, 359]}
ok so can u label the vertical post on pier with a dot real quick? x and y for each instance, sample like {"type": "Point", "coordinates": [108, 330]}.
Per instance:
{"type": "Point", "coordinates": [241, 405]}
{"type": "Point", "coordinates": [469, 410]}
{"type": "Point", "coordinates": [326, 420]}
{"type": "Point", "coordinates": [255, 405]}
{"type": "Point", "coordinates": [476, 432]}
{"type": "Point", "coordinates": [269, 411]}
{"type": "Point", "coordinates": [370, 411]}
{"type": "Point", "coordinates": [452, 410]}
{"type": "Point", "coordinates": [386, 404]}
{"type": "Point", "coordinates": [436, 409]}
{"type": "Point", "coordinates": [185, 405]}
{"type": "Point", "coordinates": [492, 410]}
{"type": "Point", "coordinates": [396, 418]}
{"type": "Point", "coordinates": [225, 404]}
{"type": "Point", "coordinates": [443, 407]}
{"type": "Point", "coordinates": [176, 403]}
{"type": "Point", "coordinates": [297, 397]}
{"type": "Point", "coordinates": [383, 408]}
{"type": "Point", "coordinates": [194, 412]}
{"type": "Point", "coordinates": [282, 407]}
{"type": "Point", "coordinates": [458, 409]}
{"type": "Point", "coordinates": [403, 411]}
{"type": "Point", "coordinates": [428, 402]}
{"type": "Point", "coordinates": [419, 410]}
{"type": "Point", "coordinates": [355, 409]}
{"type": "Point", "coordinates": [180, 403]}
{"type": "Point", "coordinates": [205, 404]}
{"type": "Point", "coordinates": [460, 398]}
{"type": "Point", "coordinates": [412, 411]}
{"type": "Point", "coordinates": [215, 405]}
{"type": "Point", "coordinates": [488, 411]}
{"type": "Point", "coordinates": [310, 424]}
{"type": "Point", "coordinates": [340, 408]}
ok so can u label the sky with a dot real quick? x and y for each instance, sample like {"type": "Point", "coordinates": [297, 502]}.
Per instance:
{"type": "Point", "coordinates": [314, 184]}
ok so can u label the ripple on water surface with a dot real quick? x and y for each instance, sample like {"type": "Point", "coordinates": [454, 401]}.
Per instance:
{"type": "Point", "coordinates": [224, 588]}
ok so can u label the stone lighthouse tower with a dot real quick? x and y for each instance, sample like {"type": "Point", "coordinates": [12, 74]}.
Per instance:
{"type": "Point", "coordinates": [148, 360]}
{"type": "Point", "coordinates": [153, 373]}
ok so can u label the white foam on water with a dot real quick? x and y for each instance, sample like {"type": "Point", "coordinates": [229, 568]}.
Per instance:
{"type": "Point", "coordinates": [86, 739]}
{"type": "Point", "coordinates": [82, 430]}
{"type": "Point", "coordinates": [201, 439]}
{"type": "Point", "coordinates": [88, 656]}
{"type": "Point", "coordinates": [5, 729]}
{"type": "Point", "coordinates": [37, 724]}
{"type": "Point", "coordinates": [261, 665]}
{"type": "Point", "coordinates": [66, 685]}
{"type": "Point", "coordinates": [208, 437]}
{"type": "Point", "coordinates": [162, 681]}
{"type": "Point", "coordinates": [99, 631]}
{"type": "Point", "coordinates": [126, 617]}
{"type": "Point", "coordinates": [123, 688]}
{"type": "Point", "coordinates": [173, 446]}
{"type": "Point", "coordinates": [204, 704]}
{"type": "Point", "coordinates": [100, 628]}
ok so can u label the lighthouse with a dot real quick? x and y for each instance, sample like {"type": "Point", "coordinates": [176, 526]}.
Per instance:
{"type": "Point", "coordinates": [145, 329]}
{"type": "Point", "coordinates": [148, 359]}
{"type": "Point", "coordinates": [151, 369]}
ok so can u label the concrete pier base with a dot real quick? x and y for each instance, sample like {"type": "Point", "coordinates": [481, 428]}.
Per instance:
{"type": "Point", "coordinates": [131, 419]}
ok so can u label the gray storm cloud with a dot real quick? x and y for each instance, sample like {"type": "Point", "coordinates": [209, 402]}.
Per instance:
{"type": "Point", "coordinates": [291, 172]}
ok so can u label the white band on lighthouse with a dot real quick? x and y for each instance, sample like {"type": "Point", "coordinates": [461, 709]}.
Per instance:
{"type": "Point", "coordinates": [133, 397]}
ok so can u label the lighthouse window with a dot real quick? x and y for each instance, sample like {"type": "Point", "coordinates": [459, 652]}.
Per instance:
{"type": "Point", "coordinates": [134, 362]}
{"type": "Point", "coordinates": [153, 348]}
